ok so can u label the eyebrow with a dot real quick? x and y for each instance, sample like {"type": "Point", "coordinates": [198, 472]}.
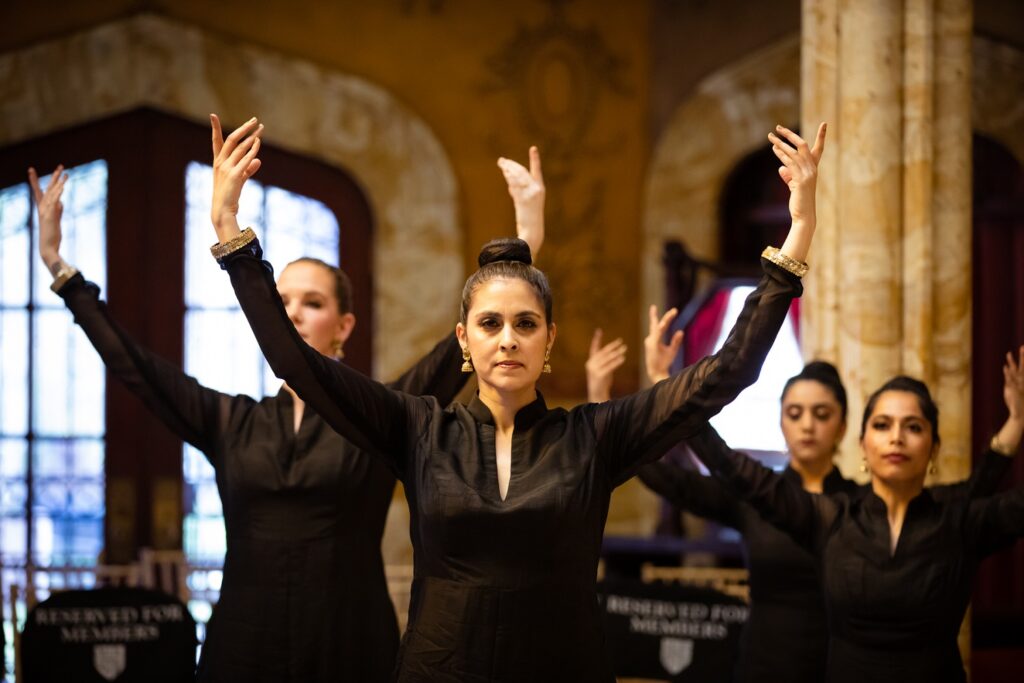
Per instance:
{"type": "Point", "coordinates": [495, 314]}
{"type": "Point", "coordinates": [906, 418]}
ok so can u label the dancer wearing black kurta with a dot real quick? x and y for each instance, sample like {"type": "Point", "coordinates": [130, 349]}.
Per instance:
{"type": "Point", "coordinates": [787, 630]}
{"type": "Point", "coordinates": [507, 498]}
{"type": "Point", "coordinates": [304, 597]}
{"type": "Point", "coordinates": [891, 616]}
{"type": "Point", "coordinates": [505, 590]}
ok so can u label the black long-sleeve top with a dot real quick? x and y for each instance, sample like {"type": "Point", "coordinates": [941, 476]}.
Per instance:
{"type": "Point", "coordinates": [891, 616]}
{"type": "Point", "coordinates": [505, 590]}
{"type": "Point", "coordinates": [303, 597]}
{"type": "Point", "coordinates": [787, 630]}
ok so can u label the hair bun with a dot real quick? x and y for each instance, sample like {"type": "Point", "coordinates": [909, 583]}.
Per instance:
{"type": "Point", "coordinates": [821, 369]}
{"type": "Point", "coordinates": [505, 249]}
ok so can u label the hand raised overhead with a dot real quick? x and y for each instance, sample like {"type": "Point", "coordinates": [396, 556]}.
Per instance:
{"type": "Point", "coordinates": [601, 365]}
{"type": "Point", "coordinates": [526, 187]}
{"type": "Point", "coordinates": [658, 355]}
{"type": "Point", "coordinates": [50, 210]}
{"type": "Point", "coordinates": [234, 162]}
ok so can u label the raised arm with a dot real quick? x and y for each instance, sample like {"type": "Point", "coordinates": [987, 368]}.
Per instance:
{"type": "Point", "coordinates": [998, 457]}
{"type": "Point", "coordinates": [641, 427]}
{"type": "Point", "coordinates": [692, 491]}
{"type": "Point", "coordinates": [365, 412]}
{"type": "Point", "coordinates": [196, 414]}
{"type": "Point", "coordinates": [805, 516]}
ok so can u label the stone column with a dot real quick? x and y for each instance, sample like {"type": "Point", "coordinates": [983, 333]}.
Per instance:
{"type": "Point", "coordinates": [890, 286]}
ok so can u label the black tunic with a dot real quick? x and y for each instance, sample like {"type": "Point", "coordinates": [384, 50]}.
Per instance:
{"type": "Point", "coordinates": [787, 630]}
{"type": "Point", "coordinates": [505, 590]}
{"type": "Point", "coordinates": [891, 617]}
{"type": "Point", "coordinates": [304, 597]}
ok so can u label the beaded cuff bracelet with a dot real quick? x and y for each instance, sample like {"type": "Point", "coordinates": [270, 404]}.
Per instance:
{"type": "Point", "coordinates": [243, 238]}
{"type": "Point", "coordinates": [798, 268]}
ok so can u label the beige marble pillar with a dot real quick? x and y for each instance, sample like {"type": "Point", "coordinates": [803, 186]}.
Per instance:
{"type": "Point", "coordinates": [890, 286]}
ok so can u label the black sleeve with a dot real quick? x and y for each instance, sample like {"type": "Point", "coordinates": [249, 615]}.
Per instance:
{"type": "Point", "coordinates": [196, 414]}
{"type": "Point", "coordinates": [438, 374]}
{"type": "Point", "coordinates": [641, 427]}
{"type": "Point", "coordinates": [806, 517]}
{"type": "Point", "coordinates": [984, 479]}
{"type": "Point", "coordinates": [690, 490]}
{"type": "Point", "coordinates": [996, 521]}
{"type": "Point", "coordinates": [381, 421]}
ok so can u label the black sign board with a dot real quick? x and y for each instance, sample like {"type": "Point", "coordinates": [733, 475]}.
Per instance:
{"type": "Point", "coordinates": [109, 634]}
{"type": "Point", "coordinates": [670, 631]}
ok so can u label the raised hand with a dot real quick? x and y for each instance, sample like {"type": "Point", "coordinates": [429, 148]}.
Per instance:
{"type": "Point", "coordinates": [526, 187]}
{"type": "Point", "coordinates": [50, 209]}
{"type": "Point", "coordinates": [1007, 439]}
{"type": "Point", "coordinates": [234, 162]}
{"type": "Point", "coordinates": [658, 355]}
{"type": "Point", "coordinates": [799, 171]}
{"type": "Point", "coordinates": [1013, 384]}
{"type": "Point", "coordinates": [601, 365]}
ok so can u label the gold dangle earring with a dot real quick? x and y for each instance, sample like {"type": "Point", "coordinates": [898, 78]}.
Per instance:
{"type": "Point", "coordinates": [863, 464]}
{"type": "Point", "coordinates": [933, 467]}
{"type": "Point", "coordinates": [467, 364]}
{"type": "Point", "coordinates": [547, 364]}
{"type": "Point", "coordinates": [336, 349]}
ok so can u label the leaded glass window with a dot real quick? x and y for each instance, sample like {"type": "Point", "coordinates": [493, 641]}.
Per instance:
{"type": "Point", "coordinates": [52, 387]}
{"type": "Point", "coordinates": [289, 225]}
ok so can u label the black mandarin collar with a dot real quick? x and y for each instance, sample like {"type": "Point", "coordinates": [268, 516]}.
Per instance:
{"type": "Point", "coordinates": [876, 506]}
{"type": "Point", "coordinates": [834, 481]}
{"type": "Point", "coordinates": [526, 417]}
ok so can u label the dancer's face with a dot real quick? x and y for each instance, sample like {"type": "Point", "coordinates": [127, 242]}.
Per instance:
{"type": "Point", "coordinates": [507, 335]}
{"type": "Point", "coordinates": [897, 441]}
{"type": "Point", "coordinates": [307, 291]}
{"type": "Point", "coordinates": [812, 421]}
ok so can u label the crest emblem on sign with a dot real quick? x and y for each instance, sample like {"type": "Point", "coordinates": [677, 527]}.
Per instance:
{"type": "Point", "coordinates": [109, 660]}
{"type": "Point", "coordinates": [676, 654]}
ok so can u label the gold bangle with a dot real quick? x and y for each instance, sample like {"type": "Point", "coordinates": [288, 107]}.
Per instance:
{"type": "Point", "coordinates": [999, 448]}
{"type": "Point", "coordinates": [243, 238]}
{"type": "Point", "coordinates": [65, 273]}
{"type": "Point", "coordinates": [798, 268]}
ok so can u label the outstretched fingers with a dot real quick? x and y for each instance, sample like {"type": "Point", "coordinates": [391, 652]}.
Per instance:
{"type": "Point", "coordinates": [236, 139]}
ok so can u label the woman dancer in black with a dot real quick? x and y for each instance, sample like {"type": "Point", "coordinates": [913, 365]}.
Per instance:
{"type": "Point", "coordinates": [787, 629]}
{"type": "Point", "coordinates": [304, 597]}
{"type": "Point", "coordinates": [508, 498]}
{"type": "Point", "coordinates": [895, 559]}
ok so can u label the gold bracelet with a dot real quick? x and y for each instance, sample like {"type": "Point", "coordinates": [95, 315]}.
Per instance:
{"type": "Point", "coordinates": [65, 273]}
{"type": "Point", "coordinates": [999, 448]}
{"type": "Point", "coordinates": [243, 238]}
{"type": "Point", "coordinates": [798, 268]}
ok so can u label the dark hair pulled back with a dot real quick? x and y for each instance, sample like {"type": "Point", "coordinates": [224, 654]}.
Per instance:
{"type": "Point", "coordinates": [910, 385]}
{"type": "Point", "coordinates": [506, 258]}
{"type": "Point", "coordinates": [825, 374]}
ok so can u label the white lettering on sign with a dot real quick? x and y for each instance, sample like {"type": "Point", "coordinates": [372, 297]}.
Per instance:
{"type": "Point", "coordinates": [692, 620]}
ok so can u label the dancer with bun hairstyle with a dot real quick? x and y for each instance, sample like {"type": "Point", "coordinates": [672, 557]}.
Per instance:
{"type": "Point", "coordinates": [507, 497]}
{"type": "Point", "coordinates": [304, 596]}
{"type": "Point", "coordinates": [787, 629]}
{"type": "Point", "coordinates": [895, 558]}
